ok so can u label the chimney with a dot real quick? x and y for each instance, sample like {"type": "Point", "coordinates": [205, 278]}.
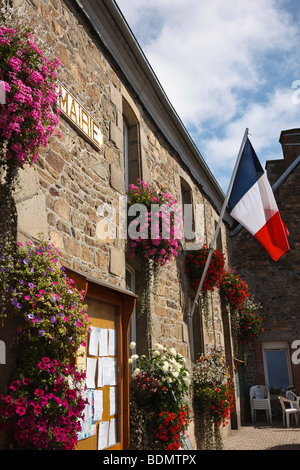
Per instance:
{"type": "Point", "coordinates": [290, 142]}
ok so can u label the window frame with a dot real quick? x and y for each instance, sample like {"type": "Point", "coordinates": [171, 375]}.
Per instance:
{"type": "Point", "coordinates": [277, 346]}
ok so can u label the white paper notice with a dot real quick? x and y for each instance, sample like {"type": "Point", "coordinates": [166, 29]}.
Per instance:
{"type": "Point", "coordinates": [98, 405]}
{"type": "Point", "coordinates": [109, 371]}
{"type": "Point", "coordinates": [90, 372]}
{"type": "Point", "coordinates": [100, 372]}
{"type": "Point", "coordinates": [103, 342]}
{"type": "Point", "coordinates": [103, 435]}
{"type": "Point", "coordinates": [112, 438]}
{"type": "Point", "coordinates": [94, 341]}
{"type": "Point", "coordinates": [112, 401]}
{"type": "Point", "coordinates": [111, 343]}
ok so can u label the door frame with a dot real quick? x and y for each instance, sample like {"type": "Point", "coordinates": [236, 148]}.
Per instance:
{"type": "Point", "coordinates": [126, 302]}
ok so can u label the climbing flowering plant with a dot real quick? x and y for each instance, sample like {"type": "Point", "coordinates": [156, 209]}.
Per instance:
{"type": "Point", "coordinates": [195, 263]}
{"type": "Point", "coordinates": [49, 307]}
{"type": "Point", "coordinates": [44, 405]}
{"type": "Point", "coordinates": [155, 233]}
{"type": "Point", "coordinates": [158, 391]}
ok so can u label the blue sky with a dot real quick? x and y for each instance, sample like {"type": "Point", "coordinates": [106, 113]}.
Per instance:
{"type": "Point", "coordinates": [225, 65]}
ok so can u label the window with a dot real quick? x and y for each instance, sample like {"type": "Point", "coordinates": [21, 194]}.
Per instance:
{"type": "Point", "coordinates": [2, 353]}
{"type": "Point", "coordinates": [126, 151]}
{"type": "Point", "coordinates": [188, 211]}
{"type": "Point", "coordinates": [131, 146]}
{"type": "Point", "coordinates": [277, 365]}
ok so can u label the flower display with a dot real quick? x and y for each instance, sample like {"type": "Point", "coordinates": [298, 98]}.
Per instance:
{"type": "Point", "coordinates": [219, 399]}
{"type": "Point", "coordinates": [195, 263]}
{"type": "Point", "coordinates": [29, 115]}
{"type": "Point", "coordinates": [44, 403]}
{"type": "Point", "coordinates": [159, 384]}
{"type": "Point", "coordinates": [154, 234]}
{"type": "Point", "coordinates": [37, 290]}
{"type": "Point", "coordinates": [249, 322]}
{"type": "Point", "coordinates": [43, 409]}
{"type": "Point", "coordinates": [171, 427]}
{"type": "Point", "coordinates": [213, 392]}
{"type": "Point", "coordinates": [234, 288]}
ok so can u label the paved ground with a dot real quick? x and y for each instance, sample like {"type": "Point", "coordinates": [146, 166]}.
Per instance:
{"type": "Point", "coordinates": [262, 436]}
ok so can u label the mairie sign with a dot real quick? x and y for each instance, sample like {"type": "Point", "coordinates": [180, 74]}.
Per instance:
{"type": "Point", "coordinates": [81, 119]}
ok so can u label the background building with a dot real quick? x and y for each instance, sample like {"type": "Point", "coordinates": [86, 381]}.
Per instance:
{"type": "Point", "coordinates": [273, 360]}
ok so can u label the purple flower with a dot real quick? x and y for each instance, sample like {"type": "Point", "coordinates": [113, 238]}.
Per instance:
{"type": "Point", "coordinates": [42, 332]}
{"type": "Point", "coordinates": [31, 285]}
{"type": "Point", "coordinates": [14, 301]}
{"type": "Point", "coordinates": [26, 260]}
{"type": "Point", "coordinates": [19, 305]}
{"type": "Point", "coordinates": [52, 319]}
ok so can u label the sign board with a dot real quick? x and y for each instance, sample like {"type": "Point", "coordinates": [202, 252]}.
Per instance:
{"type": "Point", "coordinates": [79, 117]}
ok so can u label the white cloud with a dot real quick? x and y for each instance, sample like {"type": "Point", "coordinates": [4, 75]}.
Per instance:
{"type": "Point", "coordinates": [225, 66]}
{"type": "Point", "coordinates": [265, 122]}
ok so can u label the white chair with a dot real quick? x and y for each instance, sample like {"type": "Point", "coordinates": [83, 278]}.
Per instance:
{"type": "Point", "coordinates": [260, 400]}
{"type": "Point", "coordinates": [292, 396]}
{"type": "Point", "coordinates": [289, 407]}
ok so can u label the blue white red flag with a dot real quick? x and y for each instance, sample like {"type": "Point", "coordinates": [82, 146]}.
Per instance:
{"type": "Point", "coordinates": [252, 204]}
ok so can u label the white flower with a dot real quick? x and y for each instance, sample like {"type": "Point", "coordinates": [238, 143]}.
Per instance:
{"type": "Point", "coordinates": [172, 351]}
{"type": "Point", "coordinates": [169, 380]}
{"type": "Point", "coordinates": [132, 345]}
{"type": "Point", "coordinates": [186, 381]}
{"type": "Point", "coordinates": [134, 357]}
{"type": "Point", "coordinates": [136, 372]}
{"type": "Point", "coordinates": [156, 353]}
{"type": "Point", "coordinates": [158, 346]}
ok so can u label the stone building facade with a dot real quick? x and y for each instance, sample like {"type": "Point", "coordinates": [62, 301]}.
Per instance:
{"type": "Point", "coordinates": [132, 132]}
{"type": "Point", "coordinates": [274, 360]}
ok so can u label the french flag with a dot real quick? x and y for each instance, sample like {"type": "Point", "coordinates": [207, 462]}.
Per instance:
{"type": "Point", "coordinates": [252, 204]}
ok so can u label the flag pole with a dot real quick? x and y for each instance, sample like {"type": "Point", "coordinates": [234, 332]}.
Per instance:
{"type": "Point", "coordinates": [195, 302]}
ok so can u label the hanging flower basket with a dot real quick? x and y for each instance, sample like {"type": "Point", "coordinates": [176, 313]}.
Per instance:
{"type": "Point", "coordinates": [159, 387]}
{"type": "Point", "coordinates": [29, 115]}
{"type": "Point", "coordinates": [235, 290]}
{"type": "Point", "coordinates": [49, 307]}
{"type": "Point", "coordinates": [43, 405]}
{"type": "Point", "coordinates": [43, 409]}
{"type": "Point", "coordinates": [213, 395]}
{"type": "Point", "coordinates": [195, 263]}
{"type": "Point", "coordinates": [152, 232]}
{"type": "Point", "coordinates": [249, 323]}
{"type": "Point", "coordinates": [28, 109]}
